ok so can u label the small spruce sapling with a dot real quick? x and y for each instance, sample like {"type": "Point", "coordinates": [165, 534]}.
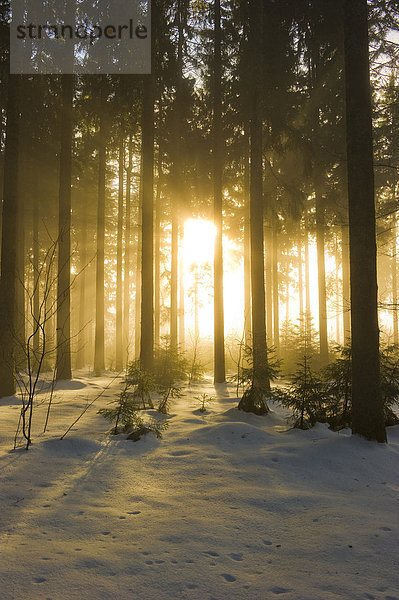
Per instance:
{"type": "Point", "coordinates": [306, 397]}
{"type": "Point", "coordinates": [204, 399]}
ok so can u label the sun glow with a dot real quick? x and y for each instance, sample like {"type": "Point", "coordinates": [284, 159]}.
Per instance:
{"type": "Point", "coordinates": [197, 263]}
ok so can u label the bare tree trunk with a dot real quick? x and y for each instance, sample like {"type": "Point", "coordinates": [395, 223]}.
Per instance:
{"type": "Point", "coordinates": [10, 217]}
{"type": "Point", "coordinates": [157, 254]}
{"type": "Point", "coordinates": [252, 401]}
{"type": "Point", "coordinates": [300, 287]}
{"type": "Point", "coordinates": [147, 286]}
{"type": "Point", "coordinates": [35, 266]}
{"type": "Point", "coordinates": [394, 291]}
{"type": "Point", "coordinates": [63, 361]}
{"type": "Point", "coordinates": [218, 337]}
{"type": "Point", "coordinates": [119, 261]}
{"type": "Point", "coordinates": [99, 341]}
{"type": "Point", "coordinates": [321, 279]}
{"type": "Point", "coordinates": [276, 298]}
{"type": "Point", "coordinates": [247, 243]}
{"type": "Point", "coordinates": [346, 304]}
{"type": "Point", "coordinates": [367, 408]}
{"type": "Point", "coordinates": [127, 265]}
{"type": "Point", "coordinates": [181, 297]}
{"type": "Point", "coordinates": [137, 298]}
{"type": "Point", "coordinates": [269, 283]}
{"type": "Point", "coordinates": [82, 333]}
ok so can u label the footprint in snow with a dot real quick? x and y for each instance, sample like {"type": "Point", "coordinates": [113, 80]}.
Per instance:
{"type": "Point", "coordinates": [105, 532]}
{"type": "Point", "coordinates": [279, 590]}
{"type": "Point", "coordinates": [39, 579]}
{"type": "Point", "coordinates": [210, 553]}
{"type": "Point", "coordinates": [191, 586]}
{"type": "Point", "coordinates": [180, 453]}
{"type": "Point", "coordinates": [236, 556]}
{"type": "Point", "coordinates": [385, 529]}
{"type": "Point", "coordinates": [229, 578]}
{"type": "Point", "coordinates": [267, 543]}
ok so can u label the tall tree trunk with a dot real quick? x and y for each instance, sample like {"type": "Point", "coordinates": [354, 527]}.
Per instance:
{"type": "Point", "coordinates": [269, 283]}
{"type": "Point", "coordinates": [137, 297]}
{"type": "Point", "coordinates": [127, 269]}
{"type": "Point", "coordinates": [63, 361]}
{"type": "Point", "coordinates": [367, 408]}
{"type": "Point", "coordinates": [174, 268]}
{"type": "Point", "coordinates": [337, 293]}
{"type": "Point", "coordinates": [10, 215]}
{"type": "Point", "coordinates": [181, 296]}
{"type": "Point", "coordinates": [157, 254]}
{"type": "Point", "coordinates": [196, 304]}
{"type": "Point", "coordinates": [82, 319]}
{"type": "Point", "coordinates": [218, 337]}
{"type": "Point", "coordinates": [119, 260]}
{"type": "Point", "coordinates": [346, 303]}
{"type": "Point", "coordinates": [99, 341]}
{"type": "Point", "coordinates": [276, 295]}
{"type": "Point", "coordinates": [253, 400]}
{"type": "Point", "coordinates": [300, 287]}
{"type": "Point", "coordinates": [36, 279]}
{"type": "Point", "coordinates": [147, 270]}
{"type": "Point", "coordinates": [394, 291]}
{"type": "Point", "coordinates": [247, 242]}
{"type": "Point", "coordinates": [321, 278]}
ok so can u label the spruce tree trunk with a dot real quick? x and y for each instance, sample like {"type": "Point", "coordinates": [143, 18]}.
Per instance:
{"type": "Point", "coordinates": [20, 334]}
{"type": "Point", "coordinates": [82, 319]}
{"type": "Point", "coordinates": [300, 286]}
{"type": "Point", "coordinates": [137, 298]}
{"type": "Point", "coordinates": [253, 400]}
{"type": "Point", "coordinates": [157, 254]}
{"type": "Point", "coordinates": [367, 408]}
{"type": "Point", "coordinates": [119, 262]}
{"type": "Point", "coordinates": [346, 303]}
{"type": "Point", "coordinates": [10, 215]}
{"type": "Point", "coordinates": [174, 275]}
{"type": "Point", "coordinates": [147, 270]}
{"type": "Point", "coordinates": [276, 296]}
{"type": "Point", "coordinates": [127, 265]}
{"type": "Point", "coordinates": [181, 297]}
{"type": "Point", "coordinates": [394, 292]}
{"type": "Point", "coordinates": [269, 283]}
{"type": "Point", "coordinates": [321, 278]}
{"type": "Point", "coordinates": [247, 243]}
{"type": "Point", "coordinates": [35, 266]}
{"type": "Point", "coordinates": [307, 275]}
{"type": "Point", "coordinates": [337, 294]}
{"type": "Point", "coordinates": [63, 360]}
{"type": "Point", "coordinates": [99, 341]}
{"type": "Point", "coordinates": [218, 337]}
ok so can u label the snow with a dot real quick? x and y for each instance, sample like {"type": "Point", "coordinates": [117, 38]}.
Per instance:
{"type": "Point", "coordinates": [227, 505]}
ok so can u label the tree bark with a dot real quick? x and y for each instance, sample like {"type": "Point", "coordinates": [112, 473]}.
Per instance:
{"type": "Point", "coordinates": [147, 270]}
{"type": "Point", "coordinates": [99, 341]}
{"type": "Point", "coordinates": [276, 295]}
{"type": "Point", "coordinates": [394, 291]}
{"type": "Point", "coordinates": [82, 334]}
{"type": "Point", "coordinates": [127, 265]}
{"type": "Point", "coordinates": [321, 279]}
{"type": "Point", "coordinates": [346, 303]}
{"type": "Point", "coordinates": [63, 360]}
{"type": "Point", "coordinates": [217, 132]}
{"type": "Point", "coordinates": [367, 408]}
{"type": "Point", "coordinates": [10, 215]}
{"type": "Point", "coordinates": [119, 261]}
{"type": "Point", "coordinates": [247, 242]}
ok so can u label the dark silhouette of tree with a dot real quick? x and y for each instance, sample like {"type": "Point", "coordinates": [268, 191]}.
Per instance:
{"type": "Point", "coordinates": [367, 408]}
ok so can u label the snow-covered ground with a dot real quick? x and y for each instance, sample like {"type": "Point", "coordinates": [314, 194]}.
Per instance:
{"type": "Point", "coordinates": [226, 506]}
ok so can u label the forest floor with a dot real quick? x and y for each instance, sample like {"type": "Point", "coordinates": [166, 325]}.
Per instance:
{"type": "Point", "coordinates": [225, 506]}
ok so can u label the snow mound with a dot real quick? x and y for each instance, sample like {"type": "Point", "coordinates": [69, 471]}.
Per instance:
{"type": "Point", "coordinates": [231, 433]}
{"type": "Point", "coordinates": [73, 446]}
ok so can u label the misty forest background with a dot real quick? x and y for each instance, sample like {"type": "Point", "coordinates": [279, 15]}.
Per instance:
{"type": "Point", "coordinates": [256, 117]}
